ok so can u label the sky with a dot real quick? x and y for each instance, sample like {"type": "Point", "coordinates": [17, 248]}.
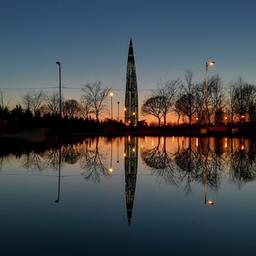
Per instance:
{"type": "Point", "coordinates": [91, 39]}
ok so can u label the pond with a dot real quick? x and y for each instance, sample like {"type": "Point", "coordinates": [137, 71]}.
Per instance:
{"type": "Point", "coordinates": [131, 196]}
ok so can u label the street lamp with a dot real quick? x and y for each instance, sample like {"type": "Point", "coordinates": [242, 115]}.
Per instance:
{"type": "Point", "coordinates": [59, 64]}
{"type": "Point", "coordinates": [242, 118]}
{"type": "Point", "coordinates": [111, 96]}
{"type": "Point", "coordinates": [118, 110]}
{"type": "Point", "coordinates": [209, 63]}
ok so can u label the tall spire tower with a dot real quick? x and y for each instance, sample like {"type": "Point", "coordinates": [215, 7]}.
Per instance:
{"type": "Point", "coordinates": [131, 92]}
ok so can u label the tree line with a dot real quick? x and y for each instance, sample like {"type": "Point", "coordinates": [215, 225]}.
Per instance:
{"type": "Point", "coordinates": [92, 103]}
{"type": "Point", "coordinates": [39, 110]}
{"type": "Point", "coordinates": [186, 99]}
{"type": "Point", "coordinates": [183, 98]}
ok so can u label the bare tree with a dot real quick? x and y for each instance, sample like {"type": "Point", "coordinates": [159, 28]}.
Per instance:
{"type": "Point", "coordinates": [85, 107]}
{"type": "Point", "coordinates": [26, 101]}
{"type": "Point", "coordinates": [71, 108]}
{"type": "Point", "coordinates": [187, 102]}
{"type": "Point", "coordinates": [177, 109]}
{"type": "Point", "coordinates": [243, 98]}
{"type": "Point", "coordinates": [153, 106]}
{"type": "Point", "coordinates": [230, 102]}
{"type": "Point", "coordinates": [52, 103]}
{"type": "Point", "coordinates": [199, 102]}
{"type": "Point", "coordinates": [33, 101]}
{"type": "Point", "coordinates": [168, 93]}
{"type": "Point", "coordinates": [185, 105]}
{"type": "Point", "coordinates": [216, 99]}
{"type": "Point", "coordinates": [96, 95]}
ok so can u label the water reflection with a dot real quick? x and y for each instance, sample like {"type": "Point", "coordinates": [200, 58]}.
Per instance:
{"type": "Point", "coordinates": [92, 163]}
{"type": "Point", "coordinates": [180, 162]}
{"type": "Point", "coordinates": [59, 170]}
{"type": "Point", "coordinates": [243, 163]}
{"type": "Point", "coordinates": [131, 165]}
{"type": "Point", "coordinates": [161, 161]}
{"type": "Point", "coordinates": [165, 188]}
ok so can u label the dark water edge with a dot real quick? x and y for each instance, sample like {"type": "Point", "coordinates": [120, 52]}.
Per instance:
{"type": "Point", "coordinates": [19, 146]}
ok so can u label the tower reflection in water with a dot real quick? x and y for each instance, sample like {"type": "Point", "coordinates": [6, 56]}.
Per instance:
{"type": "Point", "coordinates": [131, 165]}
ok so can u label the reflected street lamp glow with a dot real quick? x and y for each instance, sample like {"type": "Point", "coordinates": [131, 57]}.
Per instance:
{"type": "Point", "coordinates": [210, 202]}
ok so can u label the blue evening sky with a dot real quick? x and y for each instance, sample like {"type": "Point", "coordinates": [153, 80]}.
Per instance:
{"type": "Point", "coordinates": [91, 39]}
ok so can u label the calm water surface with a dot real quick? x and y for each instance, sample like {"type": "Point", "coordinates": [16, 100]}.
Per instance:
{"type": "Point", "coordinates": [131, 196]}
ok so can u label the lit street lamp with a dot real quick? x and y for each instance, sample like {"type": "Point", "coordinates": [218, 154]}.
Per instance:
{"type": "Point", "coordinates": [59, 64]}
{"type": "Point", "coordinates": [118, 110]}
{"type": "Point", "coordinates": [208, 64]}
{"type": "Point", "coordinates": [242, 118]}
{"type": "Point", "coordinates": [111, 97]}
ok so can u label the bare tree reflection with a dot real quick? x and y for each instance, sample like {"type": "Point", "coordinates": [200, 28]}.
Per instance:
{"type": "Point", "coordinates": [33, 161]}
{"type": "Point", "coordinates": [52, 159]}
{"type": "Point", "coordinates": [92, 163]}
{"type": "Point", "coordinates": [161, 162]}
{"type": "Point", "coordinates": [199, 163]}
{"type": "Point", "coordinates": [187, 162]}
{"type": "Point", "coordinates": [70, 155]}
{"type": "Point", "coordinates": [243, 164]}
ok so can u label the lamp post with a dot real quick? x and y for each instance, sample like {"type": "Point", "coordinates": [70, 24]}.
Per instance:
{"type": "Point", "coordinates": [111, 97]}
{"type": "Point", "coordinates": [118, 110]}
{"type": "Point", "coordinates": [117, 150]}
{"type": "Point", "coordinates": [205, 177]}
{"type": "Point", "coordinates": [60, 103]}
{"type": "Point", "coordinates": [207, 201]}
{"type": "Point", "coordinates": [125, 119]}
{"type": "Point", "coordinates": [58, 194]}
{"type": "Point", "coordinates": [111, 156]}
{"type": "Point", "coordinates": [208, 64]}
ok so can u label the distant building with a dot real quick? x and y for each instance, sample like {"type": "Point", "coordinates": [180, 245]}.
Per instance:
{"type": "Point", "coordinates": [131, 92]}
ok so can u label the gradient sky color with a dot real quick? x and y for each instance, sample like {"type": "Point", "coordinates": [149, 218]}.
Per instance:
{"type": "Point", "coordinates": [91, 40]}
